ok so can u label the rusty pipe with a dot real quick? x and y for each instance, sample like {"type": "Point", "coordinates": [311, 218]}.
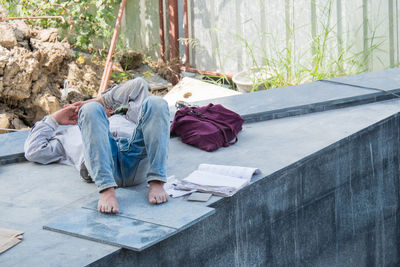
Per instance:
{"type": "Point", "coordinates": [186, 27]}
{"type": "Point", "coordinates": [38, 17]}
{"type": "Point", "coordinates": [162, 35]}
{"type": "Point", "coordinates": [205, 72]}
{"type": "Point", "coordinates": [173, 30]}
{"type": "Point", "coordinates": [107, 69]}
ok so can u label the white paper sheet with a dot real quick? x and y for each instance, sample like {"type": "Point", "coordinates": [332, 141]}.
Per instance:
{"type": "Point", "coordinates": [170, 188]}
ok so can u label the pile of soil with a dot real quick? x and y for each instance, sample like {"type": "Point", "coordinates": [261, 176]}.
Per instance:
{"type": "Point", "coordinates": [34, 69]}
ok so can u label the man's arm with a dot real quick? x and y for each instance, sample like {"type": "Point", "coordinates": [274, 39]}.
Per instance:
{"type": "Point", "coordinates": [41, 146]}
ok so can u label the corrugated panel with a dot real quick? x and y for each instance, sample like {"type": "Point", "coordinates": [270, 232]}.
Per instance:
{"type": "Point", "coordinates": [140, 27]}
{"type": "Point", "coordinates": [231, 35]}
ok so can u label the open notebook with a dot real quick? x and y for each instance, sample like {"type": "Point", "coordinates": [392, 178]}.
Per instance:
{"type": "Point", "coordinates": [221, 180]}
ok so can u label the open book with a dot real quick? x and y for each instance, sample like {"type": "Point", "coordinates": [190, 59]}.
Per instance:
{"type": "Point", "coordinates": [221, 180]}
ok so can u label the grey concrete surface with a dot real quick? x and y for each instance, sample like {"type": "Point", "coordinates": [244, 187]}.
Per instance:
{"type": "Point", "coordinates": [273, 145]}
{"type": "Point", "coordinates": [386, 79]}
{"type": "Point", "coordinates": [33, 194]}
{"type": "Point", "coordinates": [110, 229]}
{"type": "Point", "coordinates": [12, 147]}
{"type": "Point", "coordinates": [137, 226]}
{"type": "Point", "coordinates": [328, 196]}
{"type": "Point", "coordinates": [175, 213]}
{"type": "Point", "coordinates": [311, 97]}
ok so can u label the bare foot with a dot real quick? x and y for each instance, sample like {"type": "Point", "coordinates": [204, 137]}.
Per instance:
{"type": "Point", "coordinates": [157, 194]}
{"type": "Point", "coordinates": [108, 201]}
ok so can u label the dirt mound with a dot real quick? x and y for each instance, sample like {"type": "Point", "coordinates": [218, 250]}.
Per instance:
{"type": "Point", "coordinates": [34, 68]}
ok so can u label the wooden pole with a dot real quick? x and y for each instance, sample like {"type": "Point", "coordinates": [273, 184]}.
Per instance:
{"type": "Point", "coordinates": [107, 69]}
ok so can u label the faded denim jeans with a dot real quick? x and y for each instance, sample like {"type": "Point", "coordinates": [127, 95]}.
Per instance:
{"type": "Point", "coordinates": [114, 161]}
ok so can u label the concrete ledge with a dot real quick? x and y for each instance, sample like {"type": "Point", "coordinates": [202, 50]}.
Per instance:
{"type": "Point", "coordinates": [312, 97]}
{"type": "Point", "coordinates": [327, 194]}
{"type": "Point", "coordinates": [275, 103]}
{"type": "Point", "coordinates": [387, 80]}
{"type": "Point", "coordinates": [336, 207]}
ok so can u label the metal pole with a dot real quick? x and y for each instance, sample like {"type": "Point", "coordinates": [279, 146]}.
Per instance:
{"type": "Point", "coordinates": [107, 69]}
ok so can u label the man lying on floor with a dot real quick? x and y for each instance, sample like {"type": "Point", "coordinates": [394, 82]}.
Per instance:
{"type": "Point", "coordinates": [119, 151]}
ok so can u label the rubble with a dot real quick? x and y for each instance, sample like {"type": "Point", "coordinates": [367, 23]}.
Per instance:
{"type": "Point", "coordinates": [34, 66]}
{"type": "Point", "coordinates": [7, 36]}
{"type": "Point", "coordinates": [131, 60]}
{"type": "Point", "coordinates": [39, 74]}
{"type": "Point", "coordinates": [4, 122]}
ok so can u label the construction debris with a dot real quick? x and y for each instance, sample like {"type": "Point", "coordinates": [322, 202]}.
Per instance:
{"type": "Point", "coordinates": [131, 60]}
{"type": "Point", "coordinates": [158, 85]}
{"type": "Point", "coordinates": [34, 66]}
{"type": "Point", "coordinates": [39, 74]}
{"type": "Point", "coordinates": [192, 90]}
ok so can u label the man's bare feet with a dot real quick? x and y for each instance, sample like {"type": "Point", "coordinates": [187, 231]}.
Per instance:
{"type": "Point", "coordinates": [108, 201]}
{"type": "Point", "coordinates": [157, 194]}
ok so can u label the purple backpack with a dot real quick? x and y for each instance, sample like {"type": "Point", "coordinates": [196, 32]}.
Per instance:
{"type": "Point", "coordinates": [208, 127]}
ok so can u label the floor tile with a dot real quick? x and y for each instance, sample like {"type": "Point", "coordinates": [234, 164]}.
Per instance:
{"type": "Point", "coordinates": [176, 213]}
{"type": "Point", "coordinates": [110, 229]}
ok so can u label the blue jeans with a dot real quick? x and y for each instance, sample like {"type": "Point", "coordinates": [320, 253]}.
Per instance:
{"type": "Point", "coordinates": [113, 161]}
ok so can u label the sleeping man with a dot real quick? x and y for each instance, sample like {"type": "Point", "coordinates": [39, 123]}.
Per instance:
{"type": "Point", "coordinates": [116, 151]}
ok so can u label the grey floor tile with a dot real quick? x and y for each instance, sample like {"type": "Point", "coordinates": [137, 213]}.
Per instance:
{"type": "Point", "coordinates": [176, 213]}
{"type": "Point", "coordinates": [110, 229]}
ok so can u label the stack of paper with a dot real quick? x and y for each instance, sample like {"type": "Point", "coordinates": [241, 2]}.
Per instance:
{"type": "Point", "coordinates": [170, 188]}
{"type": "Point", "coordinates": [219, 180]}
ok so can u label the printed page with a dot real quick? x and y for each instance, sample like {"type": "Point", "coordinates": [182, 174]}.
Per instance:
{"type": "Point", "coordinates": [214, 180]}
{"type": "Point", "coordinates": [234, 171]}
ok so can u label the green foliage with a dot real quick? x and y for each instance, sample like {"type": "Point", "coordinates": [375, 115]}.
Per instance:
{"type": "Point", "coordinates": [325, 63]}
{"type": "Point", "coordinates": [324, 57]}
{"type": "Point", "coordinates": [218, 80]}
{"type": "Point", "coordinates": [88, 24]}
{"type": "Point", "coordinates": [121, 77]}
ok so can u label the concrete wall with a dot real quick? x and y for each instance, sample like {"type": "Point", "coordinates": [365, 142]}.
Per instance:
{"type": "Point", "coordinates": [337, 207]}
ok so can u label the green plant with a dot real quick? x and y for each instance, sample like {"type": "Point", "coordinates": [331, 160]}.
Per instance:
{"type": "Point", "coordinates": [223, 81]}
{"type": "Point", "coordinates": [285, 67]}
{"type": "Point", "coordinates": [121, 76]}
{"type": "Point", "coordinates": [88, 24]}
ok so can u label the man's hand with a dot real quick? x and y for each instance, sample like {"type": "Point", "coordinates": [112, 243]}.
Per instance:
{"type": "Point", "coordinates": [67, 116]}
{"type": "Point", "coordinates": [109, 111]}
{"type": "Point", "coordinates": [79, 104]}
